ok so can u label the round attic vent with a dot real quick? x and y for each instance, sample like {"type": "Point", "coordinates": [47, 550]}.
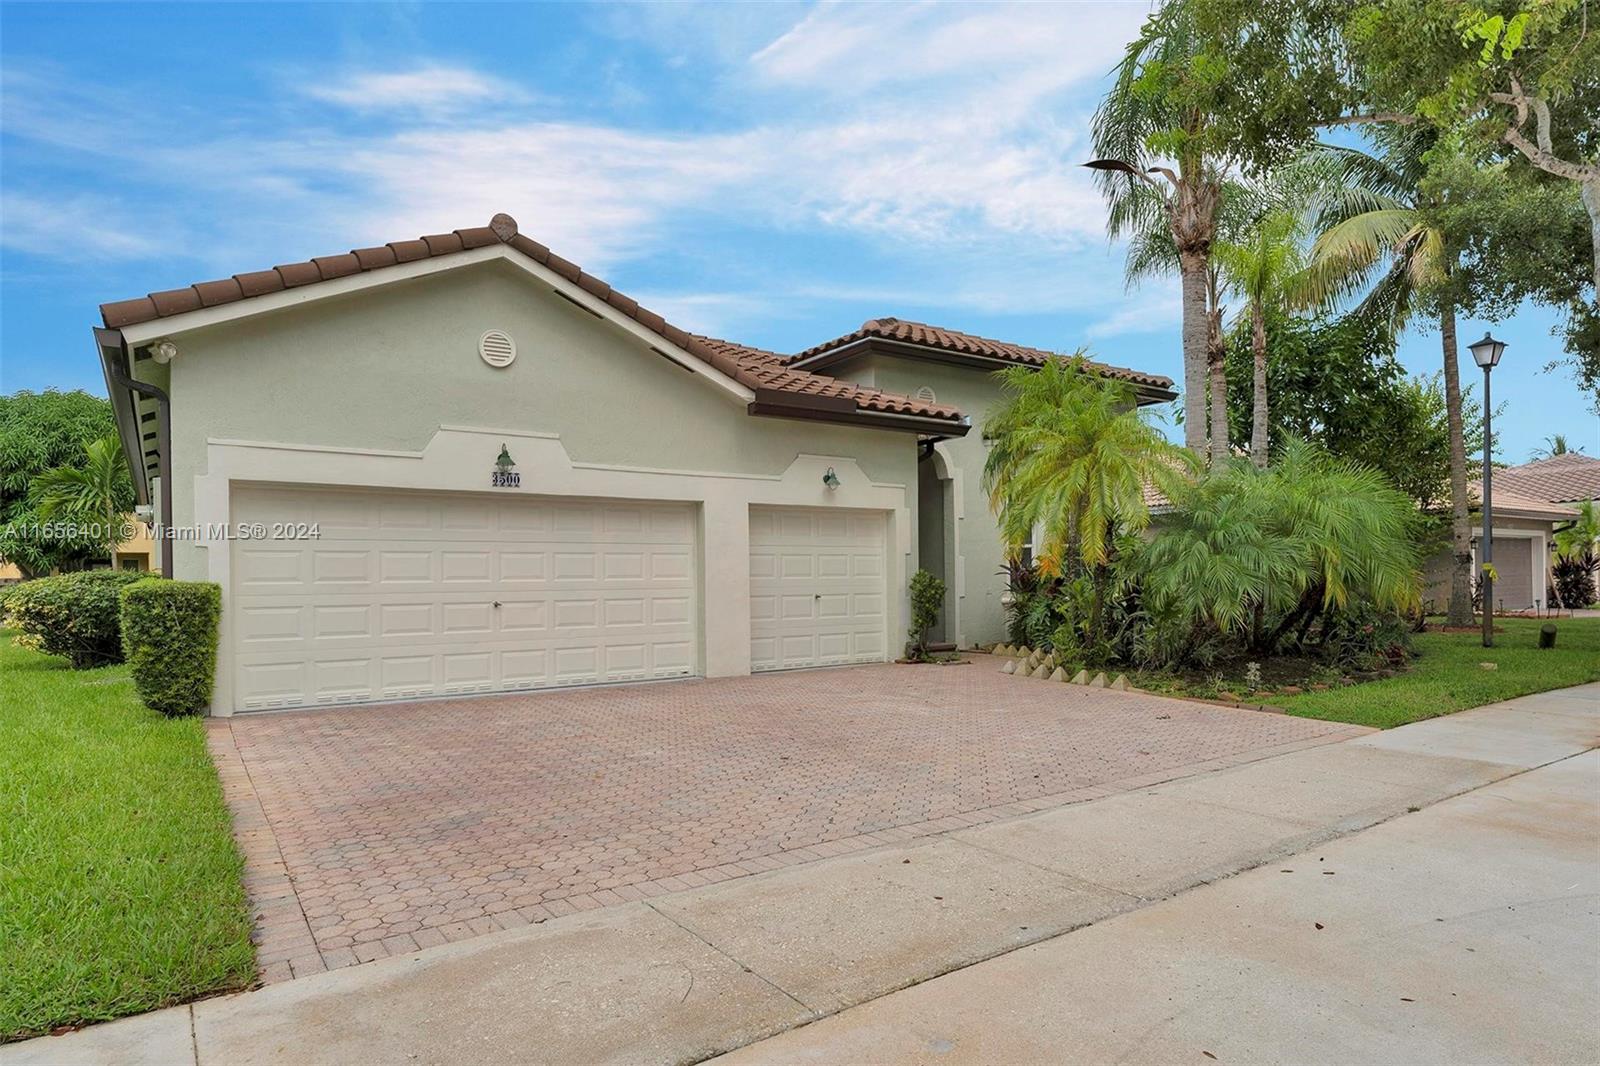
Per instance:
{"type": "Point", "coordinates": [497, 348]}
{"type": "Point", "coordinates": [926, 395]}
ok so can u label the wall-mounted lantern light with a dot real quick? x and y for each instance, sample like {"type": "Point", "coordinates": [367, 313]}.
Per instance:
{"type": "Point", "coordinates": [830, 479]}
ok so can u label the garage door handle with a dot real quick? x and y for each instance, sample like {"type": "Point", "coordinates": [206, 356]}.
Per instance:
{"type": "Point", "coordinates": [497, 603]}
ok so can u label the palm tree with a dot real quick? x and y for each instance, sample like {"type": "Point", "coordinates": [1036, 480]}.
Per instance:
{"type": "Point", "coordinates": [1265, 268]}
{"type": "Point", "coordinates": [1553, 446]}
{"type": "Point", "coordinates": [1377, 236]}
{"type": "Point", "coordinates": [1132, 116]}
{"type": "Point", "coordinates": [1071, 456]}
{"type": "Point", "coordinates": [1153, 252]}
{"type": "Point", "coordinates": [97, 495]}
{"type": "Point", "coordinates": [1578, 543]}
{"type": "Point", "coordinates": [1265, 553]}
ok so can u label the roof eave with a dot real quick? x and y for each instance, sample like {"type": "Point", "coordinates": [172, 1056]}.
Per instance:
{"type": "Point", "coordinates": [110, 345]}
{"type": "Point", "coordinates": [863, 346]}
{"type": "Point", "coordinates": [770, 403]}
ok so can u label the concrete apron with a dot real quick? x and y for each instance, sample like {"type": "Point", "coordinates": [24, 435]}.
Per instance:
{"type": "Point", "coordinates": [683, 977]}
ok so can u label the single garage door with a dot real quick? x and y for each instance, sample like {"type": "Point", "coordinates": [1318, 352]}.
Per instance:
{"type": "Point", "coordinates": [817, 595]}
{"type": "Point", "coordinates": [403, 595]}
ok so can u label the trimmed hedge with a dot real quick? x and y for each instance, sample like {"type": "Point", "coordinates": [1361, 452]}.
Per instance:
{"type": "Point", "coordinates": [72, 615]}
{"type": "Point", "coordinates": [169, 633]}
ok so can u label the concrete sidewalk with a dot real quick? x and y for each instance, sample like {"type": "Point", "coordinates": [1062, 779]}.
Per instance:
{"type": "Point", "coordinates": [686, 976]}
{"type": "Point", "coordinates": [1469, 932]}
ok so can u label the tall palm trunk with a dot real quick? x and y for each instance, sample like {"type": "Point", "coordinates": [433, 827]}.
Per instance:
{"type": "Point", "coordinates": [1216, 364]}
{"type": "Point", "coordinates": [1460, 612]}
{"type": "Point", "coordinates": [1196, 330]}
{"type": "Point", "coordinates": [1258, 409]}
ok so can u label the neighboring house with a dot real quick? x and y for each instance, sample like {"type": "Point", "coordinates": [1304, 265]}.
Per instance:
{"type": "Point", "coordinates": [461, 464]}
{"type": "Point", "coordinates": [1530, 503]}
{"type": "Point", "coordinates": [135, 553]}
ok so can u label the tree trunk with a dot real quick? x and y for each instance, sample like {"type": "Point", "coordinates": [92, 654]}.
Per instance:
{"type": "Point", "coordinates": [1258, 410]}
{"type": "Point", "coordinates": [1192, 269]}
{"type": "Point", "coordinates": [1590, 191]}
{"type": "Point", "coordinates": [1460, 612]}
{"type": "Point", "coordinates": [1216, 355]}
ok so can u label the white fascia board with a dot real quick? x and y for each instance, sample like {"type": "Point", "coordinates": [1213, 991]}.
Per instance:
{"type": "Point", "coordinates": [144, 332]}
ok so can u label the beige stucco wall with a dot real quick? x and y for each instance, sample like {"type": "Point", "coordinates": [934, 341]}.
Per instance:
{"type": "Point", "coordinates": [385, 368]}
{"type": "Point", "coordinates": [387, 384]}
{"type": "Point", "coordinates": [977, 535]}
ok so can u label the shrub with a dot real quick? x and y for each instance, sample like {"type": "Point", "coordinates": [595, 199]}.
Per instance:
{"type": "Point", "coordinates": [169, 631]}
{"type": "Point", "coordinates": [71, 615]}
{"type": "Point", "coordinates": [1574, 584]}
{"type": "Point", "coordinates": [927, 598]}
{"type": "Point", "coordinates": [1263, 555]}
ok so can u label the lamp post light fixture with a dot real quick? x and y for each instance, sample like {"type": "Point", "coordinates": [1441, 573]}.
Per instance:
{"type": "Point", "coordinates": [1486, 353]}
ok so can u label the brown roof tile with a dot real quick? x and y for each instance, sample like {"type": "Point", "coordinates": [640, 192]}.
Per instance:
{"type": "Point", "coordinates": [175, 301]}
{"type": "Point", "coordinates": [410, 251]}
{"type": "Point", "coordinates": [297, 274]}
{"type": "Point", "coordinates": [477, 237]}
{"type": "Point", "coordinates": [950, 340]}
{"type": "Point", "coordinates": [373, 258]}
{"type": "Point", "coordinates": [127, 312]}
{"type": "Point", "coordinates": [769, 370]}
{"type": "Point", "coordinates": [754, 368]}
{"type": "Point", "coordinates": [443, 243]}
{"type": "Point", "coordinates": [225, 291]}
{"type": "Point", "coordinates": [259, 283]}
{"type": "Point", "coordinates": [337, 266]}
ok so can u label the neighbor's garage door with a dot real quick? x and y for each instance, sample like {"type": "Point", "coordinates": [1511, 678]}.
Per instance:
{"type": "Point", "coordinates": [413, 594]}
{"type": "Point", "coordinates": [817, 595]}
{"type": "Point", "coordinates": [1513, 563]}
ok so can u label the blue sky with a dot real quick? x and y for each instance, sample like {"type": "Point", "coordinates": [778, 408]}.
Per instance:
{"type": "Point", "coordinates": [775, 173]}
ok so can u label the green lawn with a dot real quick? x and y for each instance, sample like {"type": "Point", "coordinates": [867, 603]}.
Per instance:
{"type": "Point", "coordinates": [1446, 677]}
{"type": "Point", "coordinates": [119, 880]}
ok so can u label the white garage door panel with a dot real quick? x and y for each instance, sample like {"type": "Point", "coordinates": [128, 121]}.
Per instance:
{"type": "Point", "coordinates": [816, 587]}
{"type": "Point", "coordinates": [396, 597]}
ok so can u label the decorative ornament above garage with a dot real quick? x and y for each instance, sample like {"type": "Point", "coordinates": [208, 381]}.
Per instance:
{"type": "Point", "coordinates": [505, 476]}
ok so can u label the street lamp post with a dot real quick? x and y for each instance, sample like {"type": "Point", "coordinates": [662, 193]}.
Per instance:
{"type": "Point", "coordinates": [1486, 353]}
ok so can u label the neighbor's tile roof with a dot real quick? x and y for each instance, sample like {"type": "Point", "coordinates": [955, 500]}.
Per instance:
{"type": "Point", "coordinates": [1568, 478]}
{"type": "Point", "coordinates": [1510, 501]}
{"type": "Point", "coordinates": [950, 340]}
{"type": "Point", "coordinates": [750, 367]}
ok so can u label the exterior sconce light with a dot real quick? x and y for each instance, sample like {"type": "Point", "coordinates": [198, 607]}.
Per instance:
{"type": "Point", "coordinates": [830, 479]}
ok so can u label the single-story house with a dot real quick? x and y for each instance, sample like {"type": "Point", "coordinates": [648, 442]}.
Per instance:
{"type": "Point", "coordinates": [137, 553]}
{"type": "Point", "coordinates": [1531, 502]}
{"type": "Point", "coordinates": [462, 464]}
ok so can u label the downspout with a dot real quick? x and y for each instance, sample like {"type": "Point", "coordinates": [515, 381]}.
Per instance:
{"type": "Point", "coordinates": [108, 339]}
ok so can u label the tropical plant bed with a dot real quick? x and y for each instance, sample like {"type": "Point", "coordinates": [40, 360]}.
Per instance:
{"type": "Point", "coordinates": [1280, 676]}
{"type": "Point", "coordinates": [1449, 674]}
{"type": "Point", "coordinates": [120, 889]}
{"type": "Point", "coordinates": [1450, 671]}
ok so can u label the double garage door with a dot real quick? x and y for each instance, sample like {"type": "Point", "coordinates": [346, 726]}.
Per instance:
{"type": "Point", "coordinates": [405, 595]}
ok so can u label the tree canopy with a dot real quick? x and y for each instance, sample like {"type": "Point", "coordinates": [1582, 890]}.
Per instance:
{"type": "Point", "coordinates": [40, 432]}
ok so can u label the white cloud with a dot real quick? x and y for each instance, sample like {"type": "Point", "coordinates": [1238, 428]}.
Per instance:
{"type": "Point", "coordinates": [79, 227]}
{"type": "Point", "coordinates": [1158, 308]}
{"type": "Point", "coordinates": [424, 88]}
{"type": "Point", "coordinates": [947, 137]}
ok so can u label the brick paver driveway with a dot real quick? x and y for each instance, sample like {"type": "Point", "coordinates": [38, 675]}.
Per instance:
{"type": "Point", "coordinates": [376, 830]}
